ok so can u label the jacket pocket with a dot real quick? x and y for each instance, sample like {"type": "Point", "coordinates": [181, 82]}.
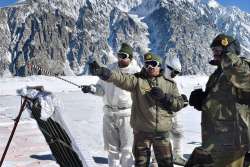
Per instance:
{"type": "Point", "coordinates": [225, 133]}
{"type": "Point", "coordinates": [165, 121]}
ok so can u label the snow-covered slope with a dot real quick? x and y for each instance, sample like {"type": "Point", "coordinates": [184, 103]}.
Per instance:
{"type": "Point", "coordinates": [82, 114]}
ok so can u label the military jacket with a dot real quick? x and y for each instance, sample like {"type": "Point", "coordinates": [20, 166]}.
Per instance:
{"type": "Point", "coordinates": [223, 126]}
{"type": "Point", "coordinates": [147, 114]}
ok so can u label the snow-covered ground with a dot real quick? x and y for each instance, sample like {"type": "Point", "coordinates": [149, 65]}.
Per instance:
{"type": "Point", "coordinates": [82, 114]}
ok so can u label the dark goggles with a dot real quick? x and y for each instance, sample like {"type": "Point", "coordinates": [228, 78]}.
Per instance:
{"type": "Point", "coordinates": [217, 49]}
{"type": "Point", "coordinates": [123, 55]}
{"type": "Point", "coordinates": [173, 70]}
{"type": "Point", "coordinates": [152, 64]}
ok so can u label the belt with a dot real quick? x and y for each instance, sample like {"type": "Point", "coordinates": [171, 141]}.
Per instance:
{"type": "Point", "coordinates": [154, 135]}
{"type": "Point", "coordinates": [116, 108]}
{"type": "Point", "coordinates": [117, 111]}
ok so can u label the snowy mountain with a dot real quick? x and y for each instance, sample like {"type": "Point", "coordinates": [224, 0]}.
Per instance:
{"type": "Point", "coordinates": [232, 21]}
{"type": "Point", "coordinates": [62, 36]}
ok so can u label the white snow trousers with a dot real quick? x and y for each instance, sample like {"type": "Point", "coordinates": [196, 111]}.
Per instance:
{"type": "Point", "coordinates": [118, 138]}
{"type": "Point", "coordinates": [177, 135]}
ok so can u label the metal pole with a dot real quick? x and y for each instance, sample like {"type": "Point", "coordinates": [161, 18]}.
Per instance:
{"type": "Point", "coordinates": [13, 131]}
{"type": "Point", "coordinates": [67, 81]}
{"type": "Point", "coordinates": [50, 73]}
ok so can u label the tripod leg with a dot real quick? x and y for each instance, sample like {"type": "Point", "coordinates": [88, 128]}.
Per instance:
{"type": "Point", "coordinates": [13, 131]}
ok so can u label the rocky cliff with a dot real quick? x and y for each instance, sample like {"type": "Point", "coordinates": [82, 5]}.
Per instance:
{"type": "Point", "coordinates": [62, 36]}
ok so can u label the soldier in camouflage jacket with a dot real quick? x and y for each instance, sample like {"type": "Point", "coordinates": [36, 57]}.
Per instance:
{"type": "Point", "coordinates": [224, 131]}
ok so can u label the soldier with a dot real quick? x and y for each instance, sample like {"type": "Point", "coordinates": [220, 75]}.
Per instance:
{"type": "Point", "coordinates": [224, 132]}
{"type": "Point", "coordinates": [171, 70]}
{"type": "Point", "coordinates": [117, 132]}
{"type": "Point", "coordinates": [154, 98]}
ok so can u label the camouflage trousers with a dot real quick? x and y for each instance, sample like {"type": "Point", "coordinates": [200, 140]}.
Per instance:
{"type": "Point", "coordinates": [161, 145]}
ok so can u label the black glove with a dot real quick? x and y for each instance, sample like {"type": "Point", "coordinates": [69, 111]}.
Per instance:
{"type": "Point", "coordinates": [185, 99]}
{"type": "Point", "coordinates": [164, 98]}
{"type": "Point", "coordinates": [156, 93]}
{"type": "Point", "coordinates": [196, 98]}
{"type": "Point", "coordinates": [86, 88]}
{"type": "Point", "coordinates": [103, 72]}
{"type": "Point", "coordinates": [94, 68]}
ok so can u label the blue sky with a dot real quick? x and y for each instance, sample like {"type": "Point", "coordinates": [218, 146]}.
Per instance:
{"type": "Point", "coordinates": [6, 2]}
{"type": "Point", "coordinates": [242, 4]}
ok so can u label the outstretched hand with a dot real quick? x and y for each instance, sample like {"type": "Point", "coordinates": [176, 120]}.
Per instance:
{"type": "Point", "coordinates": [86, 88]}
{"type": "Point", "coordinates": [94, 68]}
{"type": "Point", "coordinates": [103, 72]}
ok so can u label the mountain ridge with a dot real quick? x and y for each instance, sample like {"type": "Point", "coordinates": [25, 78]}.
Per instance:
{"type": "Point", "coordinates": [63, 36]}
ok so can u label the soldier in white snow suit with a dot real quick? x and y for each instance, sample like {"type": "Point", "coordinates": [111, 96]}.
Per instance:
{"type": "Point", "coordinates": [173, 68]}
{"type": "Point", "coordinates": [117, 132]}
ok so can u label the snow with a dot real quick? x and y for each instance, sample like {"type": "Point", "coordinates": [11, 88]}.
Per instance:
{"type": "Point", "coordinates": [82, 114]}
{"type": "Point", "coordinates": [68, 7]}
{"type": "Point", "coordinates": [202, 11]}
{"type": "Point", "coordinates": [193, 1]}
{"type": "Point", "coordinates": [146, 8]}
{"type": "Point", "coordinates": [67, 70]}
{"type": "Point", "coordinates": [125, 5]}
{"type": "Point", "coordinates": [111, 54]}
{"type": "Point", "coordinates": [20, 1]}
{"type": "Point", "coordinates": [145, 37]}
{"type": "Point", "coordinates": [213, 4]}
{"type": "Point", "coordinates": [247, 27]}
{"type": "Point", "coordinates": [245, 48]}
{"type": "Point", "coordinates": [6, 73]}
{"type": "Point", "coordinates": [10, 85]}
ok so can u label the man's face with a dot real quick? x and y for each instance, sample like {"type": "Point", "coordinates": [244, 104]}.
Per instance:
{"type": "Point", "coordinates": [152, 68]}
{"type": "Point", "coordinates": [123, 60]}
{"type": "Point", "coordinates": [217, 53]}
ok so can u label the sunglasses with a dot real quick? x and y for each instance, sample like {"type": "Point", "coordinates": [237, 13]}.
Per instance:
{"type": "Point", "coordinates": [123, 55]}
{"type": "Point", "coordinates": [217, 49]}
{"type": "Point", "coordinates": [173, 70]}
{"type": "Point", "coordinates": [152, 64]}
